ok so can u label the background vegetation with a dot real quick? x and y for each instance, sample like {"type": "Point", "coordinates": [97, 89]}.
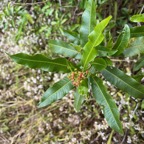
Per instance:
{"type": "Point", "coordinates": [27, 26]}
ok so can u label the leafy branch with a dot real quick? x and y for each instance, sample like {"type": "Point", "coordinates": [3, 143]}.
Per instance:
{"type": "Point", "coordinates": [93, 58]}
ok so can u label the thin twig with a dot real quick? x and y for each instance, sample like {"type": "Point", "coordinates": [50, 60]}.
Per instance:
{"type": "Point", "coordinates": [124, 137]}
{"type": "Point", "coordinates": [142, 9]}
{"type": "Point", "coordinates": [139, 24]}
{"type": "Point", "coordinates": [135, 108]}
{"type": "Point", "coordinates": [60, 5]}
{"type": "Point", "coordinates": [129, 121]}
{"type": "Point", "coordinates": [119, 60]}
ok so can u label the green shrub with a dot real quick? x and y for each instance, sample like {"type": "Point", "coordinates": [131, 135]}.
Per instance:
{"type": "Point", "coordinates": [85, 59]}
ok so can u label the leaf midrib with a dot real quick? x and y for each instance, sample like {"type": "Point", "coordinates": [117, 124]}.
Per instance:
{"type": "Point", "coordinates": [64, 48]}
{"type": "Point", "coordinates": [57, 90]}
{"type": "Point", "coordinates": [121, 42]}
{"type": "Point", "coordinates": [94, 63]}
{"type": "Point", "coordinates": [124, 81]}
{"type": "Point", "coordinates": [91, 50]}
{"type": "Point", "coordinates": [40, 61]}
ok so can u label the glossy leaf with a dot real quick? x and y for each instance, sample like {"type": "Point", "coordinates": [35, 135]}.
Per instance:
{"type": "Point", "coordinates": [78, 48]}
{"type": "Point", "coordinates": [56, 92]}
{"type": "Point", "coordinates": [72, 36]}
{"type": "Point", "coordinates": [139, 64]}
{"type": "Point", "coordinates": [78, 100]}
{"type": "Point", "coordinates": [110, 109]}
{"type": "Point", "coordinates": [83, 87]}
{"type": "Point", "coordinates": [135, 47]}
{"type": "Point", "coordinates": [108, 61]}
{"type": "Point", "coordinates": [110, 41]}
{"type": "Point", "coordinates": [60, 47]}
{"type": "Point", "coordinates": [137, 18]}
{"type": "Point", "coordinates": [137, 31]}
{"type": "Point", "coordinates": [99, 64]}
{"type": "Point", "coordinates": [88, 21]}
{"type": "Point", "coordinates": [81, 93]}
{"type": "Point", "coordinates": [124, 82]}
{"type": "Point", "coordinates": [103, 51]}
{"type": "Point", "coordinates": [95, 38]}
{"type": "Point", "coordinates": [41, 62]}
{"type": "Point", "coordinates": [122, 41]}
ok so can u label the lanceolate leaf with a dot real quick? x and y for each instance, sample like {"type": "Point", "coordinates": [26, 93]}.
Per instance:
{"type": "Point", "coordinates": [124, 82]}
{"type": "Point", "coordinates": [110, 109]}
{"type": "Point", "coordinates": [56, 92]}
{"type": "Point", "coordinates": [137, 31]}
{"type": "Point", "coordinates": [28, 17]}
{"type": "Point", "coordinates": [80, 94]}
{"type": "Point", "coordinates": [42, 62]}
{"type": "Point", "coordinates": [95, 38]}
{"type": "Point", "coordinates": [99, 64]}
{"type": "Point", "coordinates": [88, 21]}
{"type": "Point", "coordinates": [122, 41]}
{"type": "Point", "coordinates": [72, 36]}
{"type": "Point", "coordinates": [139, 64]}
{"type": "Point", "coordinates": [62, 48]}
{"type": "Point", "coordinates": [137, 18]}
{"type": "Point", "coordinates": [103, 51]}
{"type": "Point", "coordinates": [135, 47]}
{"type": "Point", "coordinates": [83, 87]}
{"type": "Point", "coordinates": [78, 100]}
{"type": "Point", "coordinates": [108, 61]}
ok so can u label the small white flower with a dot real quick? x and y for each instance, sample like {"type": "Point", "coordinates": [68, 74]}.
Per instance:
{"type": "Point", "coordinates": [129, 140]}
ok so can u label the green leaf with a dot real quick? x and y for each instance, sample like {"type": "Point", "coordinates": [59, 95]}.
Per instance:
{"type": "Point", "coordinates": [103, 51]}
{"type": "Point", "coordinates": [108, 61]}
{"type": "Point", "coordinates": [139, 64]}
{"type": "Point", "coordinates": [110, 137]}
{"type": "Point", "coordinates": [137, 18]}
{"type": "Point", "coordinates": [122, 41]}
{"type": "Point", "coordinates": [78, 48]}
{"type": "Point", "coordinates": [110, 109]}
{"type": "Point", "coordinates": [28, 17]}
{"type": "Point", "coordinates": [110, 41]}
{"type": "Point", "coordinates": [124, 82]}
{"type": "Point", "coordinates": [72, 36]}
{"type": "Point", "coordinates": [142, 105]}
{"type": "Point", "coordinates": [60, 47]}
{"type": "Point", "coordinates": [42, 62]}
{"type": "Point", "coordinates": [83, 88]}
{"type": "Point", "coordinates": [56, 92]}
{"type": "Point", "coordinates": [81, 93]}
{"type": "Point", "coordinates": [78, 100]}
{"type": "Point", "coordinates": [88, 21]}
{"type": "Point", "coordinates": [99, 64]}
{"type": "Point", "coordinates": [95, 38]}
{"type": "Point", "coordinates": [138, 77]}
{"type": "Point", "coordinates": [135, 47]}
{"type": "Point", "coordinates": [137, 31]}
